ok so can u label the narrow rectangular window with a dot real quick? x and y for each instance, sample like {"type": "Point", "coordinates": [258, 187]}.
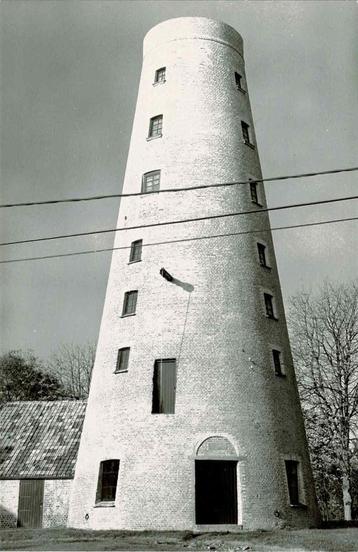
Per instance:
{"type": "Point", "coordinates": [246, 133]}
{"type": "Point", "coordinates": [238, 79]}
{"type": "Point", "coordinates": [253, 192]}
{"type": "Point", "coordinates": [136, 251]}
{"type": "Point", "coordinates": [122, 360]}
{"type": "Point", "coordinates": [292, 481]}
{"type": "Point", "coordinates": [261, 248]}
{"type": "Point", "coordinates": [160, 75]}
{"type": "Point", "coordinates": [130, 302]}
{"type": "Point", "coordinates": [155, 126]}
{"type": "Point", "coordinates": [107, 481]}
{"type": "Point", "coordinates": [151, 182]}
{"type": "Point", "coordinates": [270, 313]}
{"type": "Point", "coordinates": [164, 385]}
{"type": "Point", "coordinates": [276, 355]}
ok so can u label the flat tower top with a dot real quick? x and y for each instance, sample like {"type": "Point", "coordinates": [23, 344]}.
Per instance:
{"type": "Point", "coordinates": [182, 28]}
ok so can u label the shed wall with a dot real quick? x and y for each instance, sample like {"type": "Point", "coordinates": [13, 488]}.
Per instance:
{"type": "Point", "coordinates": [56, 501]}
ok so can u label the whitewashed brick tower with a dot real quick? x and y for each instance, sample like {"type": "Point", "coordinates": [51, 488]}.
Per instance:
{"type": "Point", "coordinates": [196, 422]}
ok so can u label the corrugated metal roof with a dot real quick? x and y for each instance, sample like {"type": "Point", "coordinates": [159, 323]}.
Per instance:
{"type": "Point", "coordinates": [40, 439]}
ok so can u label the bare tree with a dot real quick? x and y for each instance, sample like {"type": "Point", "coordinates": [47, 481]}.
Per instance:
{"type": "Point", "coordinates": [324, 337]}
{"type": "Point", "coordinates": [73, 366]}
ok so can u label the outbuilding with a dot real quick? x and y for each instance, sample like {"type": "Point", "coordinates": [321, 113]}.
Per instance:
{"type": "Point", "coordinates": [38, 449]}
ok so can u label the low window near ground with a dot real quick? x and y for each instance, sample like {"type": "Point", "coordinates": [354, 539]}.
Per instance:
{"type": "Point", "coordinates": [107, 481]}
{"type": "Point", "coordinates": [292, 467]}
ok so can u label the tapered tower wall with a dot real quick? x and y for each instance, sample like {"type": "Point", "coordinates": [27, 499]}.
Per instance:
{"type": "Point", "coordinates": [211, 319]}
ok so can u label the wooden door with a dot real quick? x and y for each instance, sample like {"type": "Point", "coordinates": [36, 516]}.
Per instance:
{"type": "Point", "coordinates": [215, 492]}
{"type": "Point", "coordinates": [30, 503]}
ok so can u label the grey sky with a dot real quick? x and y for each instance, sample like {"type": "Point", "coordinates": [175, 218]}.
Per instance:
{"type": "Point", "coordinates": [69, 74]}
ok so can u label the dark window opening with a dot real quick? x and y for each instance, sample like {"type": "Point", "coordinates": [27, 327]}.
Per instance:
{"type": "Point", "coordinates": [156, 126]}
{"type": "Point", "coordinates": [122, 360]}
{"type": "Point", "coordinates": [292, 481]}
{"type": "Point", "coordinates": [277, 362]}
{"type": "Point", "coordinates": [164, 386]}
{"type": "Point", "coordinates": [270, 313]}
{"type": "Point", "coordinates": [246, 133]}
{"type": "Point", "coordinates": [238, 81]}
{"type": "Point", "coordinates": [107, 481]}
{"type": "Point", "coordinates": [136, 251]}
{"type": "Point", "coordinates": [261, 248]}
{"type": "Point", "coordinates": [160, 75]}
{"type": "Point", "coordinates": [253, 192]}
{"type": "Point", "coordinates": [130, 302]}
{"type": "Point", "coordinates": [151, 182]}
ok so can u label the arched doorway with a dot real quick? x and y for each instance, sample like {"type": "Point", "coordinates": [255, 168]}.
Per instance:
{"type": "Point", "coordinates": [216, 482]}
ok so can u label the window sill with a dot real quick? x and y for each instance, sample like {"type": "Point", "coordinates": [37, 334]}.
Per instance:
{"type": "Point", "coordinates": [163, 413]}
{"type": "Point", "coordinates": [129, 314]}
{"type": "Point", "coordinates": [241, 89]}
{"type": "Point", "coordinates": [266, 267]}
{"type": "Point", "coordinates": [299, 506]}
{"type": "Point", "coordinates": [109, 504]}
{"type": "Point", "coordinates": [159, 82]}
{"type": "Point", "coordinates": [272, 317]}
{"type": "Point", "coordinates": [280, 375]}
{"type": "Point", "coordinates": [136, 261]}
{"type": "Point", "coordinates": [120, 371]}
{"type": "Point", "coordinates": [256, 203]}
{"type": "Point", "coordinates": [250, 145]}
{"type": "Point", "coordinates": [149, 138]}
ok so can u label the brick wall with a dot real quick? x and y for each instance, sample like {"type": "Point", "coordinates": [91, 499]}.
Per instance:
{"type": "Point", "coordinates": [56, 501]}
{"type": "Point", "coordinates": [218, 331]}
{"type": "Point", "coordinates": [9, 497]}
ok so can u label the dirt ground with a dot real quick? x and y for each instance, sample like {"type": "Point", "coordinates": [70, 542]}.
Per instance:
{"type": "Point", "coordinates": [335, 540]}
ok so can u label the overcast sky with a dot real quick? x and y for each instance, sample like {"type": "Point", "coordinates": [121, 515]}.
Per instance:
{"type": "Point", "coordinates": [69, 78]}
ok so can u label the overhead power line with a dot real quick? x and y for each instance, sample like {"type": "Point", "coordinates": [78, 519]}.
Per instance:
{"type": "Point", "coordinates": [168, 223]}
{"type": "Point", "coordinates": [273, 229]}
{"type": "Point", "coordinates": [166, 190]}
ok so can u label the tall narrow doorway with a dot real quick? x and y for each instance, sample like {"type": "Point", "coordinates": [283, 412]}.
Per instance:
{"type": "Point", "coordinates": [215, 492]}
{"type": "Point", "coordinates": [30, 503]}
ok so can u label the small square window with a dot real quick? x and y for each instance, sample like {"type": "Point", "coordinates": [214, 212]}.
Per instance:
{"type": "Point", "coordinates": [246, 133]}
{"type": "Point", "coordinates": [136, 251]}
{"type": "Point", "coordinates": [122, 360]}
{"type": "Point", "coordinates": [129, 303]}
{"type": "Point", "coordinates": [107, 481]}
{"type": "Point", "coordinates": [156, 127]}
{"type": "Point", "coordinates": [276, 355]}
{"type": "Point", "coordinates": [270, 313]}
{"type": "Point", "coordinates": [238, 81]}
{"type": "Point", "coordinates": [292, 467]}
{"type": "Point", "coordinates": [151, 182]}
{"type": "Point", "coordinates": [261, 249]}
{"type": "Point", "coordinates": [159, 75]}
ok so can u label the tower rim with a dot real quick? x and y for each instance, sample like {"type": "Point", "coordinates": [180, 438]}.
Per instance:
{"type": "Point", "coordinates": [202, 28]}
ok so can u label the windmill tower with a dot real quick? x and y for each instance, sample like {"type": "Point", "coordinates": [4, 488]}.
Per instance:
{"type": "Point", "coordinates": [193, 418]}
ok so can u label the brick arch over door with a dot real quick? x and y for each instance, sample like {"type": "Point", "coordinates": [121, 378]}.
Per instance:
{"type": "Point", "coordinates": [216, 446]}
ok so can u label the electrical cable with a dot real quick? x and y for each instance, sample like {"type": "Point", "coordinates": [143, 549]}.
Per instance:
{"type": "Point", "coordinates": [153, 225]}
{"type": "Point", "coordinates": [273, 229]}
{"type": "Point", "coordinates": [166, 190]}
